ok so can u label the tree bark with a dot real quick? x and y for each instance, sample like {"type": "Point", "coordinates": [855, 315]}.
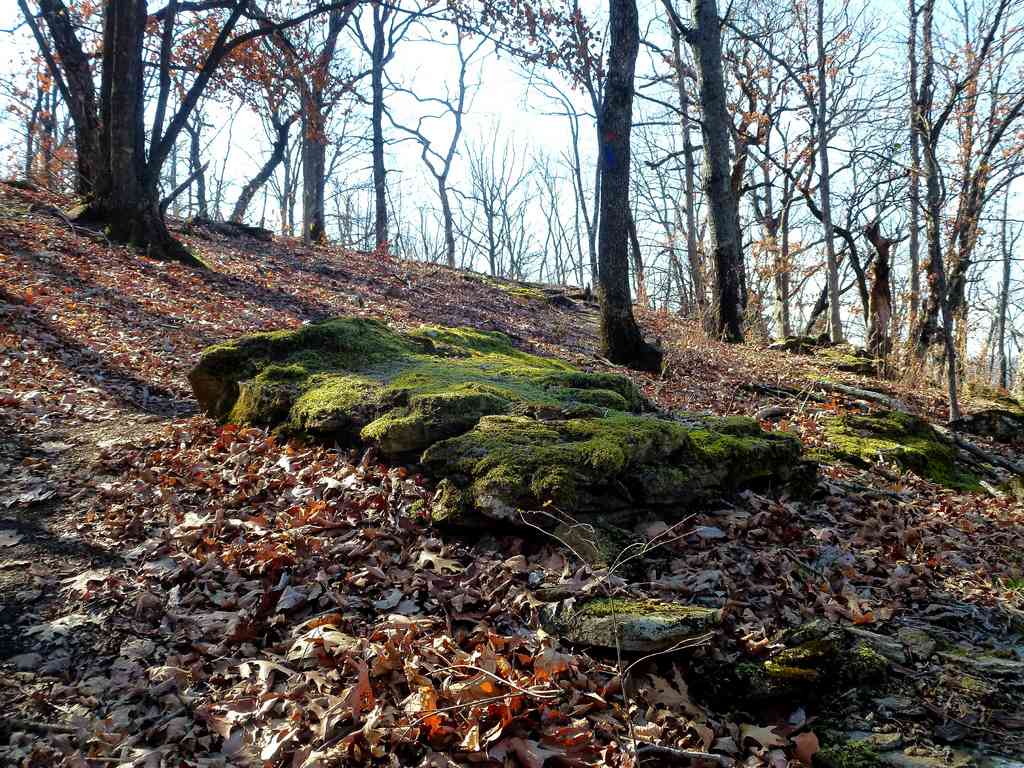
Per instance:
{"type": "Point", "coordinates": [706, 40]}
{"type": "Point", "coordinates": [1002, 371]}
{"type": "Point", "coordinates": [377, 86]}
{"type": "Point", "coordinates": [880, 312]}
{"type": "Point", "coordinates": [621, 340]}
{"type": "Point", "coordinates": [197, 169]}
{"type": "Point", "coordinates": [933, 216]}
{"type": "Point", "coordinates": [74, 79]}
{"type": "Point", "coordinates": [914, 244]}
{"type": "Point", "coordinates": [835, 315]}
{"type": "Point", "coordinates": [314, 181]}
{"type": "Point", "coordinates": [689, 189]}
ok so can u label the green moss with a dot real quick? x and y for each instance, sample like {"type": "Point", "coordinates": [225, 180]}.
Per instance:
{"type": "Point", "coordinates": [514, 462]}
{"type": "Point", "coordinates": [853, 755]}
{"type": "Point", "coordinates": [515, 289]}
{"type": "Point", "coordinates": [510, 429]}
{"type": "Point", "coordinates": [865, 665]}
{"type": "Point", "coordinates": [846, 358]}
{"type": "Point", "coordinates": [349, 377]}
{"type": "Point", "coordinates": [634, 625]}
{"type": "Point", "coordinates": [815, 662]}
{"type": "Point", "coordinates": [902, 438]}
{"type": "Point", "coordinates": [618, 606]}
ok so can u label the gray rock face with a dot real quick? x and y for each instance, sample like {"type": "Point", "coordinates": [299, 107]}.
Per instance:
{"type": "Point", "coordinates": [634, 626]}
{"type": "Point", "coordinates": [1006, 426]}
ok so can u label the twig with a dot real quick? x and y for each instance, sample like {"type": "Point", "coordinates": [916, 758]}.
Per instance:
{"type": "Point", "coordinates": [863, 394]}
{"type": "Point", "coordinates": [38, 726]}
{"type": "Point", "coordinates": [990, 458]}
{"type": "Point", "coordinates": [542, 694]}
{"type": "Point", "coordinates": [647, 748]}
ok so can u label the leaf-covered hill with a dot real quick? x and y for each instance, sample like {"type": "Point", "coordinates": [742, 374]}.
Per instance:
{"type": "Point", "coordinates": [183, 591]}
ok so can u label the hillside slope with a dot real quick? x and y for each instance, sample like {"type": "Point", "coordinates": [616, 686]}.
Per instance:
{"type": "Point", "coordinates": [177, 590]}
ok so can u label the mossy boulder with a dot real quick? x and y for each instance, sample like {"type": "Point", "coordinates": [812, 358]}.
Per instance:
{"type": "Point", "coordinates": [844, 357]}
{"type": "Point", "coordinates": [902, 438]}
{"type": "Point", "coordinates": [633, 626]}
{"type": "Point", "coordinates": [505, 430]}
{"type": "Point", "coordinates": [994, 414]}
{"type": "Point", "coordinates": [357, 378]}
{"type": "Point", "coordinates": [817, 659]}
{"type": "Point", "coordinates": [619, 461]}
{"type": "Point", "coordinates": [801, 345]}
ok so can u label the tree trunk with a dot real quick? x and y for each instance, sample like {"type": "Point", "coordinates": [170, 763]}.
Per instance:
{"type": "Point", "coordinates": [880, 312]}
{"type": "Point", "coordinates": [638, 265]}
{"type": "Point", "coordinates": [835, 318]}
{"type": "Point", "coordinates": [915, 173]}
{"type": "Point", "coordinates": [782, 278]}
{"type": "Point", "coordinates": [449, 225]}
{"type": "Point", "coordinates": [689, 192]}
{"type": "Point", "coordinates": [256, 183]}
{"type": "Point", "coordinates": [314, 181]}
{"type": "Point", "coordinates": [197, 169]}
{"type": "Point", "coordinates": [621, 340]}
{"type": "Point", "coordinates": [75, 81]}
{"type": "Point", "coordinates": [379, 171]}
{"type": "Point", "coordinates": [706, 40]}
{"type": "Point", "coordinates": [933, 216]}
{"type": "Point", "coordinates": [1004, 299]}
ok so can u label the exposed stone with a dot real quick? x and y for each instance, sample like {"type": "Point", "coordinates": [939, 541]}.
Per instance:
{"type": "Point", "coordinates": [921, 758]}
{"type": "Point", "coordinates": [26, 662]}
{"type": "Point", "coordinates": [801, 345]}
{"type": "Point", "coordinates": [633, 626]}
{"type": "Point", "coordinates": [992, 413]}
{"type": "Point", "coordinates": [507, 430]}
{"type": "Point", "coordinates": [844, 357]}
{"type": "Point", "coordinates": [900, 706]}
{"type": "Point", "coordinates": [986, 664]}
{"type": "Point", "coordinates": [918, 642]}
{"type": "Point", "coordinates": [881, 742]}
{"type": "Point", "coordinates": [597, 465]}
{"type": "Point", "coordinates": [817, 659]}
{"type": "Point", "coordinates": [599, 543]}
{"type": "Point", "coordinates": [1002, 425]}
{"type": "Point", "coordinates": [889, 647]}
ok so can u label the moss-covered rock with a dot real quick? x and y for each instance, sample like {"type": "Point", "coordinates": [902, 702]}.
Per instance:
{"type": "Point", "coordinates": [901, 438]}
{"type": "Point", "coordinates": [403, 391]}
{"type": "Point", "coordinates": [853, 755]}
{"type": "Point", "coordinates": [511, 463]}
{"type": "Point", "coordinates": [817, 658]}
{"type": "Point", "coordinates": [994, 414]}
{"type": "Point", "coordinates": [844, 357]}
{"type": "Point", "coordinates": [508, 430]}
{"type": "Point", "coordinates": [634, 626]}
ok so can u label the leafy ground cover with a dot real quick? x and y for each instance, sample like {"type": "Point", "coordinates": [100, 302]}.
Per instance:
{"type": "Point", "coordinates": [178, 591]}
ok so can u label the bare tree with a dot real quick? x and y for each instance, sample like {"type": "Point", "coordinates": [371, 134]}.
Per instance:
{"type": "Point", "coordinates": [440, 164]}
{"type": "Point", "coordinates": [705, 38]}
{"type": "Point", "coordinates": [621, 340]}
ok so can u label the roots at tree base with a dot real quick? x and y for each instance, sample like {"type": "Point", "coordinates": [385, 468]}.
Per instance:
{"type": "Point", "coordinates": [142, 227]}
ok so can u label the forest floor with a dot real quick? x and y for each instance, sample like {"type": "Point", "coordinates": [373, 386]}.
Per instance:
{"type": "Point", "coordinates": [177, 593]}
